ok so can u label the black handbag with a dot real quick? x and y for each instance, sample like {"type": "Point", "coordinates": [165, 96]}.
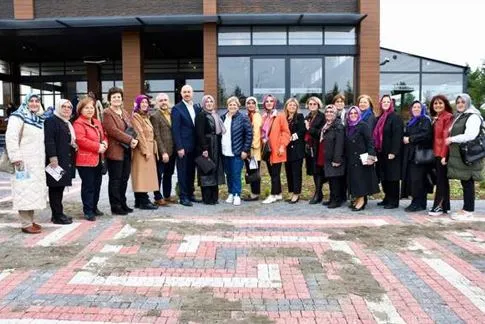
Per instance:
{"type": "Point", "coordinates": [423, 156]}
{"type": "Point", "coordinates": [205, 165]}
{"type": "Point", "coordinates": [132, 133]}
{"type": "Point", "coordinates": [474, 150]}
{"type": "Point", "coordinates": [104, 165]}
{"type": "Point", "coordinates": [266, 153]}
{"type": "Point", "coordinates": [252, 177]}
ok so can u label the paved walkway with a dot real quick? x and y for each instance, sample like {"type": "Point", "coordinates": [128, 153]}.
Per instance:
{"type": "Point", "coordinates": [249, 264]}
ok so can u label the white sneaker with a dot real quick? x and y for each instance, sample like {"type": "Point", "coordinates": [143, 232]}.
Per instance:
{"type": "Point", "coordinates": [230, 199]}
{"type": "Point", "coordinates": [278, 197]}
{"type": "Point", "coordinates": [237, 200]}
{"type": "Point", "coordinates": [462, 215]}
{"type": "Point", "coordinates": [269, 200]}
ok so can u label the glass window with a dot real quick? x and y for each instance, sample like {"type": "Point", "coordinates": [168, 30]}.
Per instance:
{"type": "Point", "coordinates": [269, 35]}
{"type": "Point", "coordinates": [404, 88]}
{"type": "Point", "coordinates": [75, 68]}
{"type": "Point", "coordinates": [233, 78]}
{"type": "Point", "coordinates": [340, 35]}
{"type": "Point", "coordinates": [159, 85]}
{"type": "Point", "coordinates": [160, 66]}
{"type": "Point", "coordinates": [269, 78]}
{"type": "Point", "coordinates": [433, 66]}
{"type": "Point", "coordinates": [192, 65]}
{"type": "Point", "coordinates": [398, 62]}
{"type": "Point", "coordinates": [339, 77]}
{"type": "Point", "coordinates": [4, 67]}
{"type": "Point", "coordinates": [305, 36]}
{"type": "Point", "coordinates": [197, 84]}
{"type": "Point", "coordinates": [52, 68]}
{"type": "Point", "coordinates": [306, 78]}
{"type": "Point", "coordinates": [447, 84]}
{"type": "Point", "coordinates": [234, 36]}
{"type": "Point", "coordinates": [81, 87]}
{"type": "Point", "coordinates": [30, 69]}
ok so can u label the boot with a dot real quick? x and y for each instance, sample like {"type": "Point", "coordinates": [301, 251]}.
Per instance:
{"type": "Point", "coordinates": [318, 196]}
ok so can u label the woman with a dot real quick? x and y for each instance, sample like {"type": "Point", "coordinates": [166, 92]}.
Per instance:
{"type": "Point", "coordinates": [24, 141]}
{"type": "Point", "coordinates": [144, 165]}
{"type": "Point", "coordinates": [121, 142]}
{"type": "Point", "coordinates": [209, 129]}
{"type": "Point", "coordinates": [276, 135]}
{"type": "Point", "coordinates": [256, 123]}
{"type": "Point", "coordinates": [387, 135]}
{"type": "Point", "coordinates": [313, 123]}
{"type": "Point", "coordinates": [466, 127]}
{"type": "Point", "coordinates": [360, 156]}
{"type": "Point", "coordinates": [418, 134]}
{"type": "Point", "coordinates": [295, 149]}
{"type": "Point", "coordinates": [442, 118]}
{"type": "Point", "coordinates": [339, 102]}
{"type": "Point", "coordinates": [329, 162]}
{"type": "Point", "coordinates": [236, 146]}
{"type": "Point", "coordinates": [60, 151]}
{"type": "Point", "coordinates": [366, 107]}
{"type": "Point", "coordinates": [92, 143]}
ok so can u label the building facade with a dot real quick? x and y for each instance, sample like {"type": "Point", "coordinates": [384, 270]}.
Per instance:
{"type": "Point", "coordinates": [222, 47]}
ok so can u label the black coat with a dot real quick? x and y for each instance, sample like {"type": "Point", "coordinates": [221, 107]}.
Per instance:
{"type": "Point", "coordinates": [371, 121]}
{"type": "Point", "coordinates": [362, 179]}
{"type": "Point", "coordinates": [208, 140]}
{"type": "Point", "coordinates": [57, 139]}
{"type": "Point", "coordinates": [315, 126]}
{"type": "Point", "coordinates": [390, 170]}
{"type": "Point", "coordinates": [334, 143]}
{"type": "Point", "coordinates": [415, 177]}
{"type": "Point", "coordinates": [296, 149]}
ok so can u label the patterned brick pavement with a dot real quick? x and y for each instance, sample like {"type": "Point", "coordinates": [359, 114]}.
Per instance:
{"type": "Point", "coordinates": [252, 264]}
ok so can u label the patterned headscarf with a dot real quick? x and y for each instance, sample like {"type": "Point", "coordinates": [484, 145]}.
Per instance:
{"type": "Point", "coordinates": [23, 112]}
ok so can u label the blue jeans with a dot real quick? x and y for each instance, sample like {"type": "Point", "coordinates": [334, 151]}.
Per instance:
{"type": "Point", "coordinates": [232, 167]}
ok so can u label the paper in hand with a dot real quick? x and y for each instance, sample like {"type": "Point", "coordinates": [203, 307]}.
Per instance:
{"type": "Point", "coordinates": [56, 172]}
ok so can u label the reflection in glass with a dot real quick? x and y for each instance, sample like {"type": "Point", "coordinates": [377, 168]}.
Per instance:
{"type": "Point", "coordinates": [340, 35]}
{"type": "Point", "coordinates": [306, 78]}
{"type": "Point", "coordinates": [269, 36]}
{"type": "Point", "coordinates": [395, 61]}
{"type": "Point", "coordinates": [234, 36]}
{"type": "Point", "coordinates": [339, 77]}
{"type": "Point", "coordinates": [269, 78]}
{"type": "Point", "coordinates": [433, 66]}
{"type": "Point", "coordinates": [446, 84]}
{"type": "Point", "coordinates": [305, 36]}
{"type": "Point", "coordinates": [197, 84]}
{"type": "Point", "coordinates": [404, 88]}
{"type": "Point", "coordinates": [159, 85]}
{"type": "Point", "coordinates": [233, 78]}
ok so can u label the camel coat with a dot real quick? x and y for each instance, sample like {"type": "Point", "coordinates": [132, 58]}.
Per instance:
{"type": "Point", "coordinates": [144, 160]}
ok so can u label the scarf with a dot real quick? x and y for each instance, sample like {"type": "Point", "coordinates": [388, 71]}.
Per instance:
{"type": "Point", "coordinates": [251, 113]}
{"type": "Point", "coordinates": [378, 132]}
{"type": "Point", "coordinates": [23, 112]}
{"type": "Point", "coordinates": [166, 113]}
{"type": "Point", "coordinates": [415, 119]}
{"type": "Point", "coordinates": [366, 114]}
{"type": "Point", "coordinates": [220, 128]}
{"type": "Point", "coordinates": [267, 121]}
{"type": "Point", "coordinates": [57, 112]}
{"type": "Point", "coordinates": [352, 125]}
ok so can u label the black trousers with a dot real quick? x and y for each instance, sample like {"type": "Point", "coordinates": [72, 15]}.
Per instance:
{"type": "Point", "coordinates": [165, 172]}
{"type": "Point", "coordinates": [335, 184]}
{"type": "Point", "coordinates": [55, 201]}
{"type": "Point", "coordinates": [274, 171]}
{"type": "Point", "coordinates": [318, 180]}
{"type": "Point", "coordinates": [210, 194]}
{"type": "Point", "coordinates": [90, 186]}
{"type": "Point", "coordinates": [255, 185]}
{"type": "Point", "coordinates": [442, 194]}
{"type": "Point", "coordinates": [119, 173]}
{"type": "Point", "coordinates": [417, 182]}
{"type": "Point", "coordinates": [391, 192]}
{"type": "Point", "coordinates": [294, 176]}
{"type": "Point", "coordinates": [186, 175]}
{"type": "Point", "coordinates": [468, 194]}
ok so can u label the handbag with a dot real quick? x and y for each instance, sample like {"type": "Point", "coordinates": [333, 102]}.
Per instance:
{"type": "Point", "coordinates": [423, 156]}
{"type": "Point", "coordinates": [132, 133]}
{"type": "Point", "coordinates": [252, 177]}
{"type": "Point", "coordinates": [205, 165]}
{"type": "Point", "coordinates": [104, 165]}
{"type": "Point", "coordinates": [5, 164]}
{"type": "Point", "coordinates": [474, 150]}
{"type": "Point", "coordinates": [266, 151]}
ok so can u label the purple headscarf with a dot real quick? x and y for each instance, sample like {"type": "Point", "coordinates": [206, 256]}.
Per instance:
{"type": "Point", "coordinates": [352, 125]}
{"type": "Point", "coordinates": [138, 101]}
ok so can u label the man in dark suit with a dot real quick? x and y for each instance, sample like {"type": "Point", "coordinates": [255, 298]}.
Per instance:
{"type": "Point", "coordinates": [183, 133]}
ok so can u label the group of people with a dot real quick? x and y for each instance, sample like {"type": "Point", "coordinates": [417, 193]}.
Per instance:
{"type": "Point", "coordinates": [353, 149]}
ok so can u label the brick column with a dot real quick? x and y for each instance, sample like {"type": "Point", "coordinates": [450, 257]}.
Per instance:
{"type": "Point", "coordinates": [210, 50]}
{"type": "Point", "coordinates": [23, 9]}
{"type": "Point", "coordinates": [132, 67]}
{"type": "Point", "coordinates": [369, 43]}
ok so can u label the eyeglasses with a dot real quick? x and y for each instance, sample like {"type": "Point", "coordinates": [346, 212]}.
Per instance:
{"type": "Point", "coordinates": [353, 113]}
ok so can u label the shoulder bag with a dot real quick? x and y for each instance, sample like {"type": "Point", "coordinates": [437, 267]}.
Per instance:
{"type": "Point", "coordinates": [474, 150]}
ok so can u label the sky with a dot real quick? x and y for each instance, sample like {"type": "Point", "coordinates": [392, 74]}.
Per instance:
{"type": "Point", "coordinates": [446, 30]}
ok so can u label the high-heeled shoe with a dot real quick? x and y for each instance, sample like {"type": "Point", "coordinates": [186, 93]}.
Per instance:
{"type": "Point", "coordinates": [357, 203]}
{"type": "Point", "coordinates": [291, 201]}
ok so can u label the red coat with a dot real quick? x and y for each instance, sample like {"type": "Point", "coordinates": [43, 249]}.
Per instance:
{"type": "Point", "coordinates": [441, 129]}
{"type": "Point", "coordinates": [88, 139]}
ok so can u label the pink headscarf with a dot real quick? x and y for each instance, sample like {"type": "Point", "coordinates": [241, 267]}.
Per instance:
{"type": "Point", "coordinates": [379, 129]}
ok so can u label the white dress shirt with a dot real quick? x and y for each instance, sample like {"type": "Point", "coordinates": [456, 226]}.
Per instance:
{"type": "Point", "coordinates": [190, 108]}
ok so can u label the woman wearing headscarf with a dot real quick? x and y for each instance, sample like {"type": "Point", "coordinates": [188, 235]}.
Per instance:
{"type": "Point", "coordinates": [144, 177]}
{"type": "Point", "coordinates": [366, 107]}
{"type": "Point", "coordinates": [466, 127]}
{"type": "Point", "coordinates": [256, 123]}
{"type": "Point", "coordinates": [295, 149]}
{"type": "Point", "coordinates": [209, 129]}
{"type": "Point", "coordinates": [313, 123]}
{"type": "Point", "coordinates": [92, 143]}
{"type": "Point", "coordinates": [24, 141]}
{"type": "Point", "coordinates": [387, 136]}
{"type": "Point", "coordinates": [360, 156]}
{"type": "Point", "coordinates": [442, 114]}
{"type": "Point", "coordinates": [329, 161]}
{"type": "Point", "coordinates": [275, 131]}
{"type": "Point", "coordinates": [60, 151]}
{"type": "Point", "coordinates": [339, 102]}
{"type": "Point", "coordinates": [418, 134]}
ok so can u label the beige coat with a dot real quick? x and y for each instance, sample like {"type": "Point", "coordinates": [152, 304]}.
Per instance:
{"type": "Point", "coordinates": [256, 146]}
{"type": "Point", "coordinates": [143, 166]}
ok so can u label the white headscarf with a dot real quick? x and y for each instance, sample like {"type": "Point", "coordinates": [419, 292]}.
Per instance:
{"type": "Point", "coordinates": [57, 112]}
